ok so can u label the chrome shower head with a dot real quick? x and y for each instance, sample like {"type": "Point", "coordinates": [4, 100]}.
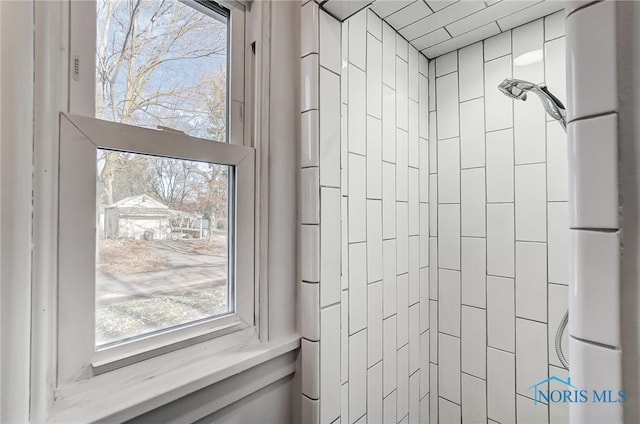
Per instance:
{"type": "Point", "coordinates": [517, 89]}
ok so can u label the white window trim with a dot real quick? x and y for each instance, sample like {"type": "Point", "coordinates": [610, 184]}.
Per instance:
{"type": "Point", "coordinates": [80, 137]}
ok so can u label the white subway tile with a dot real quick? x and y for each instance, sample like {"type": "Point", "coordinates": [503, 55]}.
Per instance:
{"type": "Point", "coordinates": [402, 166]}
{"type": "Point", "coordinates": [554, 26]}
{"type": "Point", "coordinates": [310, 364]}
{"type": "Point", "coordinates": [447, 105]}
{"type": "Point", "coordinates": [449, 295]}
{"type": "Point", "coordinates": [330, 239]}
{"type": "Point", "coordinates": [471, 72]}
{"type": "Point", "coordinates": [433, 393]}
{"type": "Point", "coordinates": [558, 412]}
{"type": "Point", "coordinates": [501, 313]}
{"type": "Point", "coordinates": [374, 76]}
{"type": "Point", "coordinates": [414, 398]}
{"type": "Point", "coordinates": [344, 403]}
{"type": "Point", "coordinates": [433, 333]}
{"type": "Point", "coordinates": [402, 261]}
{"type": "Point", "coordinates": [389, 355]}
{"type": "Point", "coordinates": [424, 170]}
{"type": "Point", "coordinates": [558, 242]}
{"type": "Point", "coordinates": [357, 198]}
{"type": "Point", "coordinates": [344, 149]}
{"type": "Point", "coordinates": [500, 240]}
{"type": "Point", "coordinates": [357, 375]}
{"type": "Point", "coordinates": [388, 55]}
{"type": "Point", "coordinates": [357, 123]}
{"type": "Point", "coordinates": [330, 33]}
{"type": "Point", "coordinates": [374, 240]}
{"type": "Point", "coordinates": [414, 338]}
{"type": "Point", "coordinates": [310, 201]}
{"type": "Point", "coordinates": [414, 202]}
{"type": "Point", "coordinates": [606, 376]}
{"type": "Point", "coordinates": [498, 107]}
{"type": "Point", "coordinates": [529, 132]}
{"type": "Point", "coordinates": [594, 295]}
{"type": "Point", "coordinates": [531, 281]}
{"type": "Point", "coordinates": [329, 129]}
{"type": "Point", "coordinates": [344, 59]}
{"type": "Point", "coordinates": [310, 241]}
{"type": "Point", "coordinates": [500, 166]}
{"type": "Point", "coordinates": [591, 32]}
{"type": "Point", "coordinates": [402, 98]}
{"type": "Point", "coordinates": [424, 363]}
{"type": "Point", "coordinates": [414, 270]}
{"type": "Point", "coordinates": [309, 82]}
{"type": "Point", "coordinates": [402, 307]}
{"type": "Point", "coordinates": [474, 399]}
{"type": "Point", "coordinates": [531, 354]}
{"type": "Point", "coordinates": [593, 166]}
{"type": "Point", "coordinates": [357, 287]}
{"type": "Point", "coordinates": [413, 73]}
{"type": "Point", "coordinates": [528, 38]}
{"type": "Point", "coordinates": [424, 235]}
{"type": "Point", "coordinates": [389, 279]}
{"type": "Point", "coordinates": [433, 205]}
{"type": "Point", "coordinates": [374, 25]}
{"type": "Point", "coordinates": [403, 381]}
{"type": "Point", "coordinates": [344, 337]}
{"type": "Point", "coordinates": [449, 175]}
{"type": "Point", "coordinates": [374, 324]}
{"type": "Point", "coordinates": [446, 63]}
{"type": "Point", "coordinates": [389, 408]}
{"type": "Point", "coordinates": [472, 136]}
{"type": "Point", "coordinates": [309, 145]}
{"type": "Point", "coordinates": [424, 299]}
{"type": "Point", "coordinates": [374, 158]}
{"type": "Point", "coordinates": [374, 393]}
{"type": "Point", "coordinates": [344, 265]}
{"type": "Point", "coordinates": [474, 270]}
{"type": "Point", "coordinates": [310, 303]}
{"type": "Point", "coordinates": [497, 46]}
{"type": "Point", "coordinates": [449, 368]}
{"type": "Point", "coordinates": [402, 47]}
{"type": "Point", "coordinates": [449, 236]}
{"type": "Point", "coordinates": [473, 202]}
{"type": "Point", "coordinates": [531, 202]}
{"type": "Point", "coordinates": [414, 155]}
{"type": "Point", "coordinates": [530, 412]}
{"type": "Point", "coordinates": [433, 143]}
{"type": "Point", "coordinates": [309, 28]}
{"type": "Point", "coordinates": [310, 410]}
{"type": "Point", "coordinates": [423, 106]}
{"type": "Point", "coordinates": [388, 200]}
{"type": "Point", "coordinates": [474, 341]}
{"type": "Point", "coordinates": [388, 124]}
{"type": "Point", "coordinates": [558, 305]}
{"type": "Point", "coordinates": [329, 359]}
{"type": "Point", "coordinates": [557, 164]}
{"type": "Point", "coordinates": [501, 383]}
{"type": "Point", "coordinates": [555, 69]}
{"type": "Point", "coordinates": [433, 269]}
{"type": "Point", "coordinates": [432, 85]}
{"type": "Point", "coordinates": [358, 40]}
{"type": "Point", "coordinates": [423, 65]}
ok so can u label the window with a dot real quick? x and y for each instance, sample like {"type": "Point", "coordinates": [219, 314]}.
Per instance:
{"type": "Point", "coordinates": [156, 227]}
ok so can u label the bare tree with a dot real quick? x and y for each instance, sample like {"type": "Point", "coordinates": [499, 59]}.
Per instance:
{"type": "Point", "coordinates": [158, 63]}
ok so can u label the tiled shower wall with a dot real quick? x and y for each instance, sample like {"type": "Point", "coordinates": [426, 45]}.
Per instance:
{"type": "Point", "coordinates": [366, 200]}
{"type": "Point", "coordinates": [499, 219]}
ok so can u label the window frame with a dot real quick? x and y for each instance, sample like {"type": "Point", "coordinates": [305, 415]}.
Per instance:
{"type": "Point", "coordinates": [80, 136]}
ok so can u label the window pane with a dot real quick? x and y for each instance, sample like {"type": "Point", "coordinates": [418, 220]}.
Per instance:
{"type": "Point", "coordinates": [162, 63]}
{"type": "Point", "coordinates": [162, 244]}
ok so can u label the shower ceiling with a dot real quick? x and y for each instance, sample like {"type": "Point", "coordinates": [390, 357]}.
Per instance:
{"type": "Point", "coordinates": [438, 27]}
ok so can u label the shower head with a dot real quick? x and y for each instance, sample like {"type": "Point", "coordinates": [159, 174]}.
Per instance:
{"type": "Point", "coordinates": [517, 89]}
